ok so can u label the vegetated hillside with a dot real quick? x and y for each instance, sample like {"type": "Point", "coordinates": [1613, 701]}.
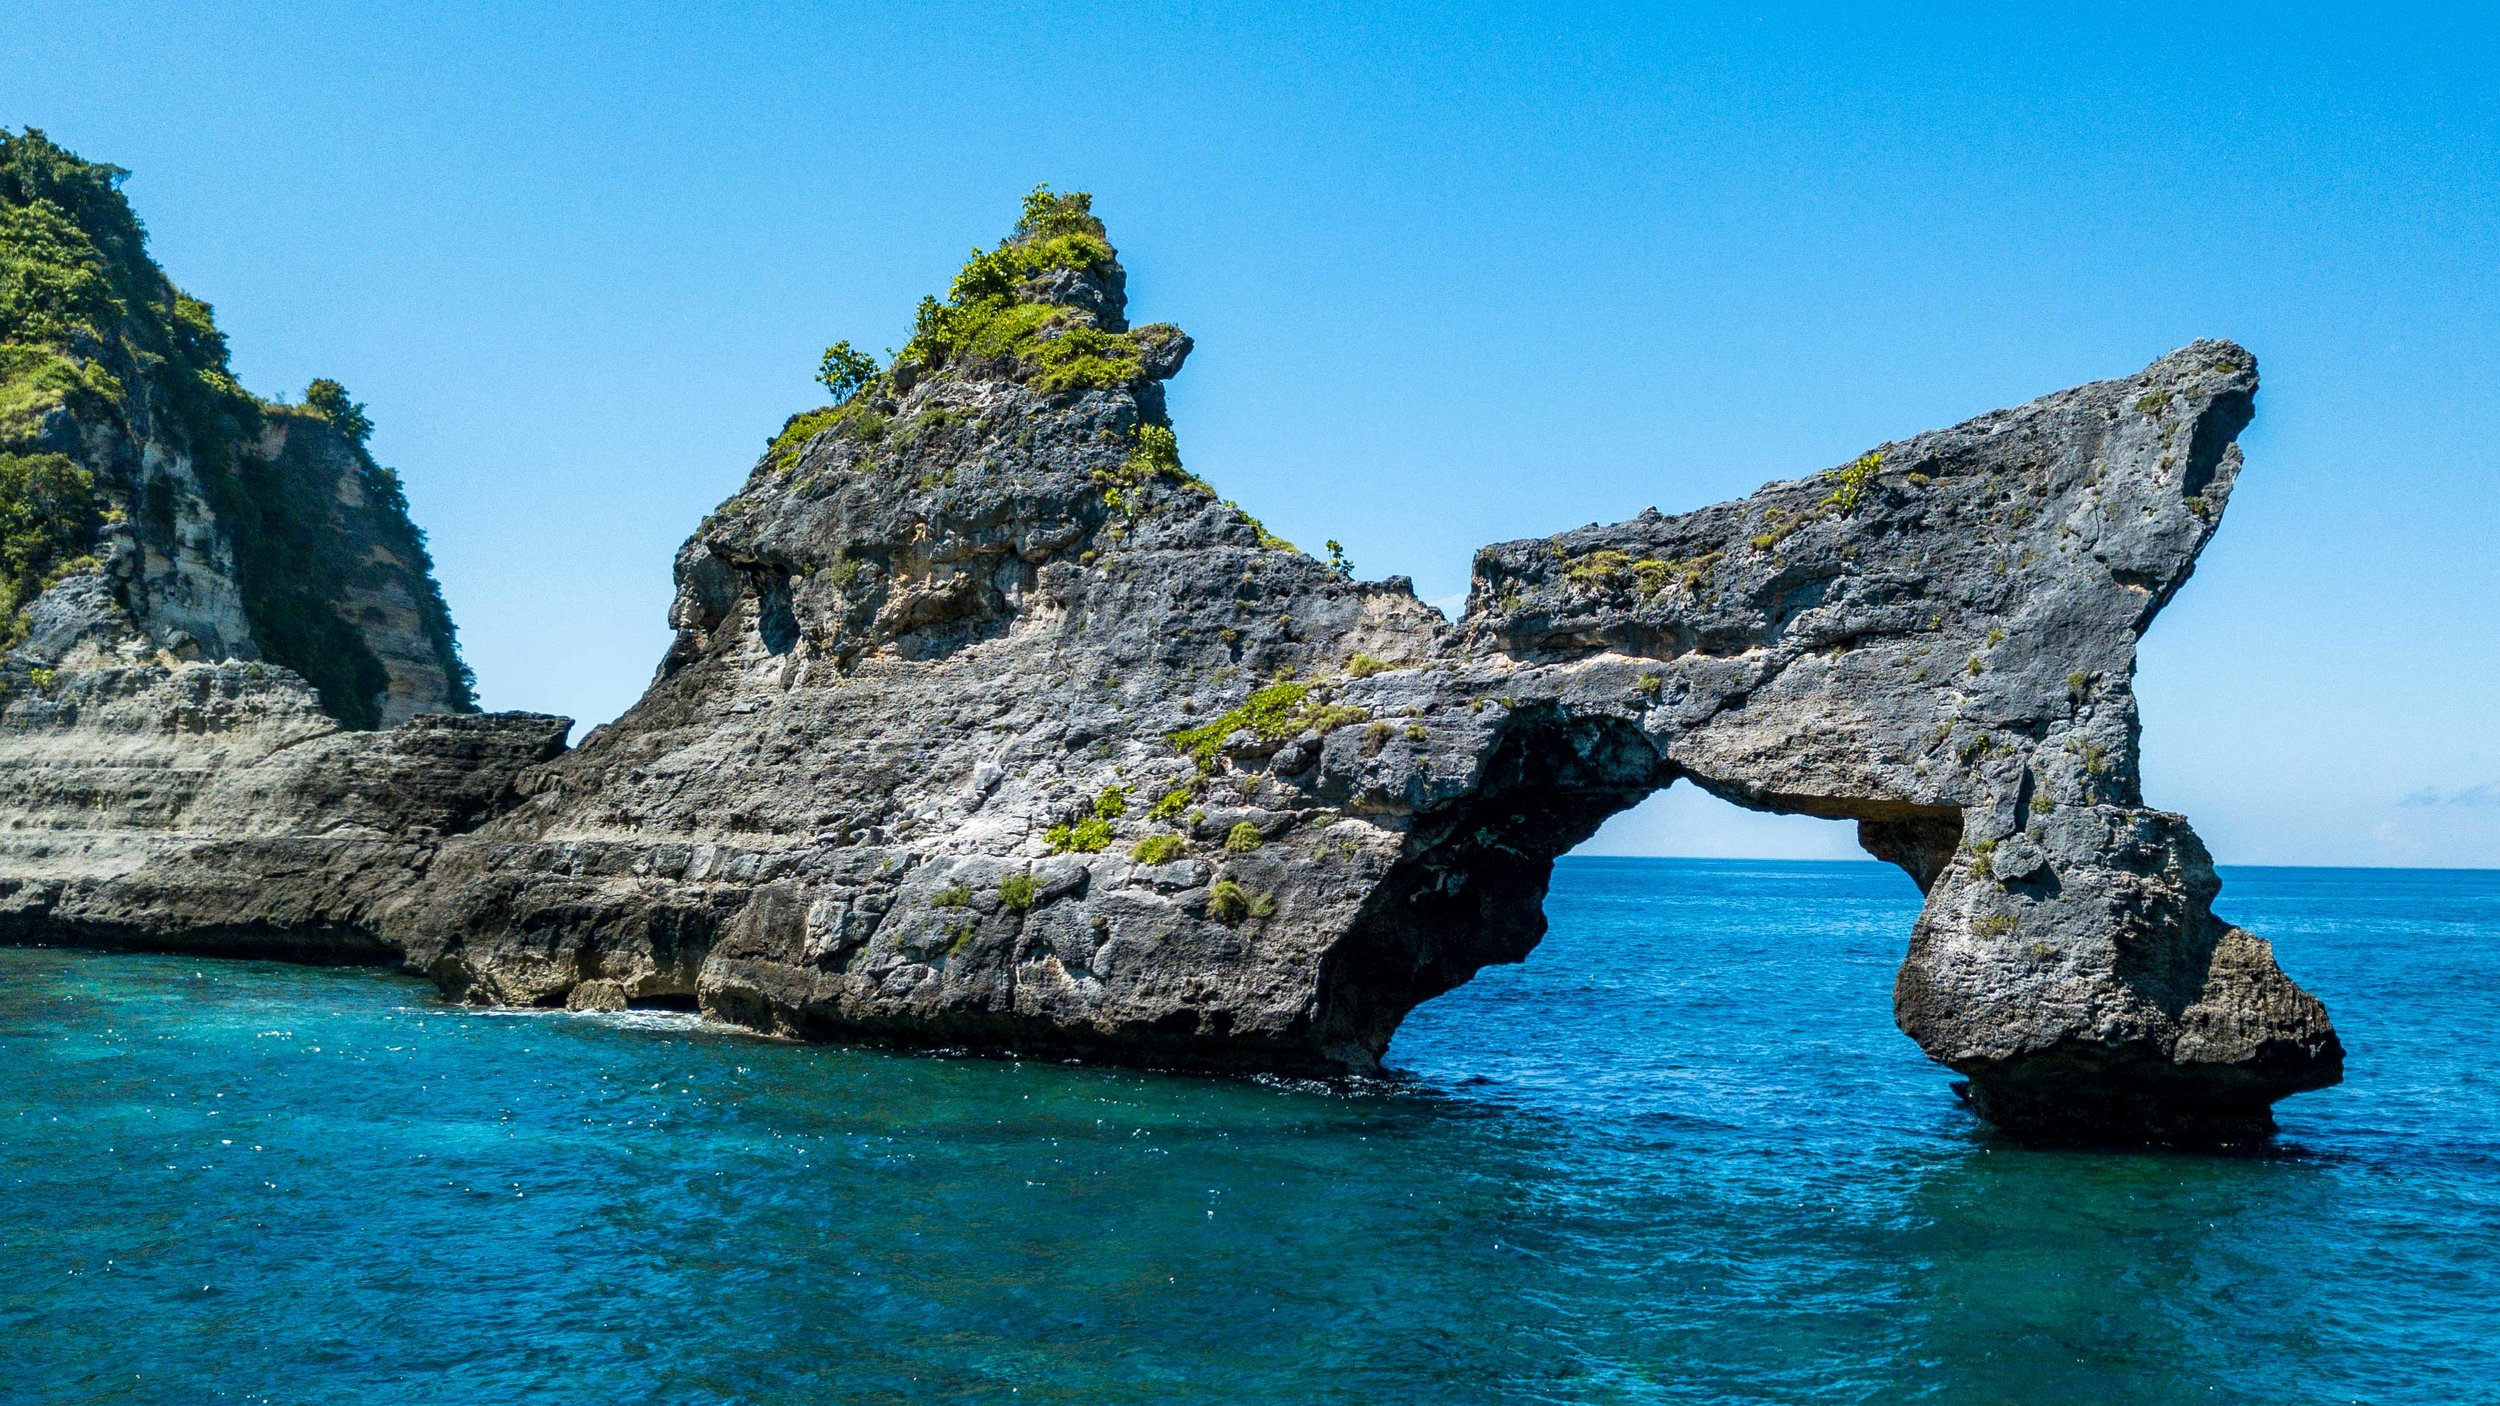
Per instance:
{"type": "Point", "coordinates": [153, 509]}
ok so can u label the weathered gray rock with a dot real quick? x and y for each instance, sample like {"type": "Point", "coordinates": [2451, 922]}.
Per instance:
{"type": "Point", "coordinates": [176, 544]}
{"type": "Point", "coordinates": [987, 725]}
{"type": "Point", "coordinates": [970, 611]}
{"type": "Point", "coordinates": [216, 808]}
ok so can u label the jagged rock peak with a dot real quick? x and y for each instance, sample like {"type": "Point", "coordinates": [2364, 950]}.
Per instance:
{"type": "Point", "coordinates": [1048, 305]}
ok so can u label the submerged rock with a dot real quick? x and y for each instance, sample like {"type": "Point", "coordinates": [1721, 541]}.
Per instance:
{"type": "Point", "coordinates": [987, 724]}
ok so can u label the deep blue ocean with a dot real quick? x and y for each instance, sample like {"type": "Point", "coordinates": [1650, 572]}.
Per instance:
{"type": "Point", "coordinates": [1681, 1155]}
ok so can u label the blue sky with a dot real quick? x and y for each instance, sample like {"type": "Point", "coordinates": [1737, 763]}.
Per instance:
{"type": "Point", "coordinates": [1456, 275]}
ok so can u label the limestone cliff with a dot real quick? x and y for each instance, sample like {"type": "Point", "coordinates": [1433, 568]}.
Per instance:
{"type": "Point", "coordinates": [204, 600]}
{"type": "Point", "coordinates": [154, 511]}
{"type": "Point", "coordinates": [988, 724]}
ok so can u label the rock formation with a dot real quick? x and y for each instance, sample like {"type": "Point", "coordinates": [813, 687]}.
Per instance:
{"type": "Point", "coordinates": [987, 724]}
{"type": "Point", "coordinates": [202, 596]}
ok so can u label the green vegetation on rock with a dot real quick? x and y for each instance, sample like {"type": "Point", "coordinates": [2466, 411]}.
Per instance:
{"type": "Point", "coordinates": [1159, 849]}
{"type": "Point", "coordinates": [92, 334]}
{"type": "Point", "coordinates": [1230, 902]}
{"type": "Point", "coordinates": [991, 313]}
{"type": "Point", "coordinates": [1855, 479]}
{"type": "Point", "coordinates": [1085, 836]}
{"type": "Point", "coordinates": [48, 518]}
{"type": "Point", "coordinates": [1272, 714]}
{"type": "Point", "coordinates": [1610, 569]}
{"type": "Point", "coordinates": [1155, 453]}
{"type": "Point", "coordinates": [1020, 890]}
{"type": "Point", "coordinates": [845, 370]}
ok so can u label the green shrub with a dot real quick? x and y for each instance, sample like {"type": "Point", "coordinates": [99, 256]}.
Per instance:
{"type": "Point", "coordinates": [1328, 717]}
{"type": "Point", "coordinates": [1112, 803]}
{"type": "Point", "coordinates": [952, 896]}
{"type": "Point", "coordinates": [1363, 666]}
{"type": "Point", "coordinates": [1243, 838]}
{"type": "Point", "coordinates": [1338, 561]}
{"type": "Point", "coordinates": [328, 399]}
{"type": "Point", "coordinates": [1855, 479]}
{"type": "Point", "coordinates": [1159, 849]}
{"type": "Point", "coordinates": [1170, 803]}
{"type": "Point", "coordinates": [1155, 452]}
{"type": "Point", "coordinates": [1019, 891]}
{"type": "Point", "coordinates": [1229, 902]}
{"type": "Point", "coordinates": [1084, 837]}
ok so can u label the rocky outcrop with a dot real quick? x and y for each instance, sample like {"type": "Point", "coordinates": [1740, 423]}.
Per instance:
{"type": "Point", "coordinates": [216, 808]}
{"type": "Point", "coordinates": [156, 511]}
{"type": "Point", "coordinates": [203, 597]}
{"type": "Point", "coordinates": [988, 724]}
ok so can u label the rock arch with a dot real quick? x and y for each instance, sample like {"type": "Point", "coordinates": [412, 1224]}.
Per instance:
{"type": "Point", "coordinates": [987, 723]}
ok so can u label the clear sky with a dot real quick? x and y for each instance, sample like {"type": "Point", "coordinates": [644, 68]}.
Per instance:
{"type": "Point", "coordinates": [1456, 275]}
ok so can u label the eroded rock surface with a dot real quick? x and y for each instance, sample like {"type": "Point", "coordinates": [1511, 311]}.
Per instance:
{"type": "Point", "coordinates": [987, 724]}
{"type": "Point", "coordinates": [203, 597]}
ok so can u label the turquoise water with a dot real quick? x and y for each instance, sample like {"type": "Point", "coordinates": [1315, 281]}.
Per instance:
{"type": "Point", "coordinates": [1679, 1156]}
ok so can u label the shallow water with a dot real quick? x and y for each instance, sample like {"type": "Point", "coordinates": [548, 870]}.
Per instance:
{"type": "Point", "coordinates": [1679, 1156]}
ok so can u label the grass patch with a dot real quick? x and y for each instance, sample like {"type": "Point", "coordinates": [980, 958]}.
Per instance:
{"type": "Point", "coordinates": [1020, 890]}
{"type": "Point", "coordinates": [1230, 902]}
{"type": "Point", "coordinates": [1272, 714]}
{"type": "Point", "coordinates": [1159, 849]}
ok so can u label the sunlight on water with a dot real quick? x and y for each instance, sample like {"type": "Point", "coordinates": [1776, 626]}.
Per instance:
{"type": "Point", "coordinates": [1679, 1156]}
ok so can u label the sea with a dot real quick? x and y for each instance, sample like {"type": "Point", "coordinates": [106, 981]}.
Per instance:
{"type": "Point", "coordinates": [1679, 1155]}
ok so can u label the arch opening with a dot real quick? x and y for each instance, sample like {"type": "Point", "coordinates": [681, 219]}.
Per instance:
{"type": "Point", "coordinates": [1472, 891]}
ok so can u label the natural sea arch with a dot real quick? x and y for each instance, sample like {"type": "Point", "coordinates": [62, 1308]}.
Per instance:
{"type": "Point", "coordinates": [1675, 909]}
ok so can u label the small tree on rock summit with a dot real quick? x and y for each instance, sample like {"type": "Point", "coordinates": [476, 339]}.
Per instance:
{"type": "Point", "coordinates": [845, 370]}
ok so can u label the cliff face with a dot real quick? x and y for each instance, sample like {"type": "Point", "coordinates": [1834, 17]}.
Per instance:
{"type": "Point", "coordinates": [988, 724]}
{"type": "Point", "coordinates": [157, 512]}
{"type": "Point", "coordinates": [204, 599]}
